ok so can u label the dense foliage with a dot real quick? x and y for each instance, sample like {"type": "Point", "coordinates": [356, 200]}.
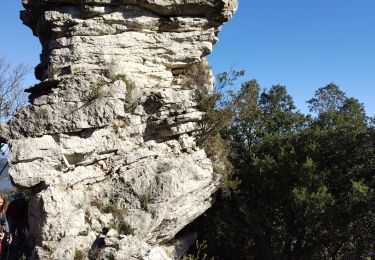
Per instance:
{"type": "Point", "coordinates": [305, 182]}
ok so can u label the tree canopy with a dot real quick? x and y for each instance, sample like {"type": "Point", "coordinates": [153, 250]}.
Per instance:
{"type": "Point", "coordinates": [305, 182]}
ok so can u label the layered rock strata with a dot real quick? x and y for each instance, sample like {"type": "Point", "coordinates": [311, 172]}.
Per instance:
{"type": "Point", "coordinates": [108, 142]}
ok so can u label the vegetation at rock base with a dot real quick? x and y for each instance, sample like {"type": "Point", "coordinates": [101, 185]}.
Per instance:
{"type": "Point", "coordinates": [304, 183]}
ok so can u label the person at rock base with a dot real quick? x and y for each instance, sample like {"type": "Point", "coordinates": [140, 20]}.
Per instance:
{"type": "Point", "coordinates": [4, 227]}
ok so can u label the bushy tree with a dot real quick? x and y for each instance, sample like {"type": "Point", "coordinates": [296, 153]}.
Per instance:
{"type": "Point", "coordinates": [306, 182]}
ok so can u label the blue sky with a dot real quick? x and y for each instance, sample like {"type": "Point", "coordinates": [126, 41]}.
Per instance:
{"type": "Point", "coordinates": [301, 44]}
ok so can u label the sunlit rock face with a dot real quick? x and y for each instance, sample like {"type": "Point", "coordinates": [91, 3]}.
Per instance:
{"type": "Point", "coordinates": [108, 141]}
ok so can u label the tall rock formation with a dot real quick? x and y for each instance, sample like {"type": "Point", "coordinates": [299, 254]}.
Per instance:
{"type": "Point", "coordinates": [107, 144]}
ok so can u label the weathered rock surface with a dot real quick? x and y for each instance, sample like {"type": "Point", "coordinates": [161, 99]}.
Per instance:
{"type": "Point", "coordinates": [107, 144]}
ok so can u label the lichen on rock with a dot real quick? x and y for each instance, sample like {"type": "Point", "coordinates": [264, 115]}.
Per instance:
{"type": "Point", "coordinates": [108, 142]}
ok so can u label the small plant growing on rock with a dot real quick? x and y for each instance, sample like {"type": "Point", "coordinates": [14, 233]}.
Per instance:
{"type": "Point", "coordinates": [119, 124]}
{"type": "Point", "coordinates": [88, 217]}
{"type": "Point", "coordinates": [98, 204]}
{"type": "Point", "coordinates": [199, 76]}
{"type": "Point", "coordinates": [111, 208]}
{"type": "Point", "coordinates": [97, 93]}
{"type": "Point", "coordinates": [122, 228]}
{"type": "Point", "coordinates": [118, 213]}
{"type": "Point", "coordinates": [146, 198]}
{"type": "Point", "coordinates": [115, 246]}
{"type": "Point", "coordinates": [163, 168]}
{"type": "Point", "coordinates": [110, 257]}
{"type": "Point", "coordinates": [79, 255]}
{"type": "Point", "coordinates": [130, 86]}
{"type": "Point", "coordinates": [175, 106]}
{"type": "Point", "coordinates": [83, 233]}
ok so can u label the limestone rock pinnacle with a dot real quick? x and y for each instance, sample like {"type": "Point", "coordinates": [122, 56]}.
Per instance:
{"type": "Point", "coordinates": [107, 143]}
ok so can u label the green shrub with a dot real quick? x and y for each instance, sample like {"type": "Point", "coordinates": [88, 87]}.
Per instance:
{"type": "Point", "coordinates": [79, 255]}
{"type": "Point", "coordinates": [198, 76]}
{"type": "Point", "coordinates": [117, 212]}
{"type": "Point", "coordinates": [122, 227]}
{"type": "Point", "coordinates": [110, 208]}
{"type": "Point", "coordinates": [96, 93]}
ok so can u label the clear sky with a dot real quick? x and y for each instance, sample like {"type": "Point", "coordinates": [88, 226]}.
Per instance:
{"type": "Point", "coordinates": [303, 44]}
